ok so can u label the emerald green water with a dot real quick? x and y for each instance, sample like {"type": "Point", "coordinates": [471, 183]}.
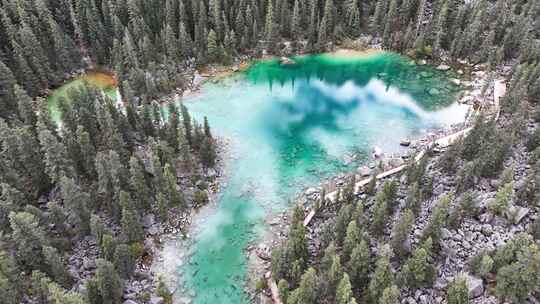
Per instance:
{"type": "Point", "coordinates": [290, 126]}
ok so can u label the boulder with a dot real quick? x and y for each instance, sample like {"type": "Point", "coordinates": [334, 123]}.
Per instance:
{"type": "Point", "coordinates": [433, 91]}
{"type": "Point", "coordinates": [364, 171]}
{"type": "Point", "coordinates": [475, 285]}
{"type": "Point", "coordinates": [443, 67]}
{"type": "Point", "coordinates": [455, 81]}
{"type": "Point", "coordinates": [89, 264]}
{"type": "Point", "coordinates": [286, 61]}
{"type": "Point", "coordinates": [148, 220]}
{"type": "Point", "coordinates": [405, 143]}
{"type": "Point", "coordinates": [311, 191]}
{"type": "Point", "coordinates": [377, 152]}
{"type": "Point", "coordinates": [516, 213]}
{"type": "Point", "coordinates": [130, 302]}
{"type": "Point", "coordinates": [156, 300]}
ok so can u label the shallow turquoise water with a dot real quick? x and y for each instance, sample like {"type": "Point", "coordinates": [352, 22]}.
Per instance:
{"type": "Point", "coordinates": [290, 127]}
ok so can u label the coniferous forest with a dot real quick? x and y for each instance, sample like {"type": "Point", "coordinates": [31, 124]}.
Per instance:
{"type": "Point", "coordinates": [94, 176]}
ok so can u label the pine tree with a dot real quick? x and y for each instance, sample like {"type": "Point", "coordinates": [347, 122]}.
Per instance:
{"type": "Point", "coordinates": [56, 160]}
{"type": "Point", "coordinates": [186, 121]}
{"type": "Point", "coordinates": [390, 295]}
{"type": "Point", "coordinates": [175, 197]}
{"type": "Point", "coordinates": [334, 274]}
{"type": "Point", "coordinates": [108, 282]}
{"type": "Point", "coordinates": [208, 153]}
{"type": "Point", "coordinates": [24, 106]}
{"type": "Point", "coordinates": [24, 73]}
{"type": "Point", "coordinates": [458, 292]}
{"type": "Point", "coordinates": [76, 202]}
{"type": "Point", "coordinates": [417, 271]}
{"type": "Point", "coordinates": [344, 293]}
{"type": "Point", "coordinates": [7, 86]}
{"type": "Point", "coordinates": [306, 293]}
{"type": "Point", "coordinates": [358, 264]}
{"type": "Point", "coordinates": [296, 21]}
{"type": "Point", "coordinates": [138, 183]}
{"type": "Point", "coordinates": [351, 240]}
{"type": "Point", "coordinates": [382, 277]}
{"type": "Point", "coordinates": [442, 27]}
{"type": "Point", "coordinates": [131, 225]}
{"type": "Point", "coordinates": [29, 239]}
{"type": "Point", "coordinates": [322, 39]}
{"type": "Point", "coordinates": [56, 266]}
{"type": "Point", "coordinates": [124, 261]}
{"type": "Point", "coordinates": [88, 152]}
{"type": "Point", "coordinates": [10, 280]}
{"type": "Point", "coordinates": [437, 220]}
{"type": "Point", "coordinates": [402, 230]}
{"type": "Point", "coordinates": [328, 20]}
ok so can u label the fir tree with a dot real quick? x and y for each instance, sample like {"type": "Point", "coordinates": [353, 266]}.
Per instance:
{"type": "Point", "coordinates": [344, 294]}
{"type": "Point", "coordinates": [382, 277]}
{"type": "Point", "coordinates": [108, 282]}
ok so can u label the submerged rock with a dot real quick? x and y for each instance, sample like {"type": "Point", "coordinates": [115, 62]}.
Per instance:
{"type": "Point", "coordinates": [405, 143]}
{"type": "Point", "coordinates": [443, 67]}
{"type": "Point", "coordinates": [434, 91]}
{"type": "Point", "coordinates": [286, 61]}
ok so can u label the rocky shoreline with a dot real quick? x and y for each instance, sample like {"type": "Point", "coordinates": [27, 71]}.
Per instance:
{"type": "Point", "coordinates": [259, 255]}
{"type": "Point", "coordinates": [472, 95]}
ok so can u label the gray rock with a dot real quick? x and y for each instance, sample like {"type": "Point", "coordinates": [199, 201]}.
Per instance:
{"type": "Point", "coordinates": [486, 218]}
{"type": "Point", "coordinates": [425, 299]}
{"type": "Point", "coordinates": [130, 302]}
{"type": "Point", "coordinates": [364, 171]}
{"type": "Point", "coordinates": [433, 91]}
{"type": "Point", "coordinates": [517, 213]}
{"type": "Point", "coordinates": [475, 285]}
{"type": "Point", "coordinates": [443, 67]}
{"type": "Point", "coordinates": [405, 143]}
{"type": "Point", "coordinates": [154, 230]}
{"type": "Point", "coordinates": [157, 300]}
{"type": "Point", "coordinates": [89, 264]}
{"type": "Point", "coordinates": [148, 220]}
{"type": "Point", "coordinates": [311, 191]}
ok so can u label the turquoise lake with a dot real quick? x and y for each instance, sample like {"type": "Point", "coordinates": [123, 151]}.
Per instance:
{"type": "Point", "coordinates": [290, 127]}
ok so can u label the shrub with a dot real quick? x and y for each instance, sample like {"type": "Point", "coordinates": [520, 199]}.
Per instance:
{"type": "Point", "coordinates": [507, 176]}
{"type": "Point", "coordinates": [261, 285]}
{"type": "Point", "coordinates": [283, 288]}
{"type": "Point", "coordinates": [448, 160]}
{"type": "Point", "coordinates": [201, 198]}
{"type": "Point", "coordinates": [466, 207]}
{"type": "Point", "coordinates": [418, 271]}
{"type": "Point", "coordinates": [481, 264]}
{"type": "Point", "coordinates": [466, 177]}
{"type": "Point", "coordinates": [458, 292]}
{"type": "Point", "coordinates": [437, 220]}
{"type": "Point", "coordinates": [414, 198]}
{"type": "Point", "coordinates": [533, 141]}
{"type": "Point", "coordinates": [164, 292]}
{"type": "Point", "coordinates": [535, 229]}
{"type": "Point", "coordinates": [390, 295]}
{"type": "Point", "coordinates": [502, 199]}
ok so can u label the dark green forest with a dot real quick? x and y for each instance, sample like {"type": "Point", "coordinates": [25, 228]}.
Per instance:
{"type": "Point", "coordinates": [99, 172]}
